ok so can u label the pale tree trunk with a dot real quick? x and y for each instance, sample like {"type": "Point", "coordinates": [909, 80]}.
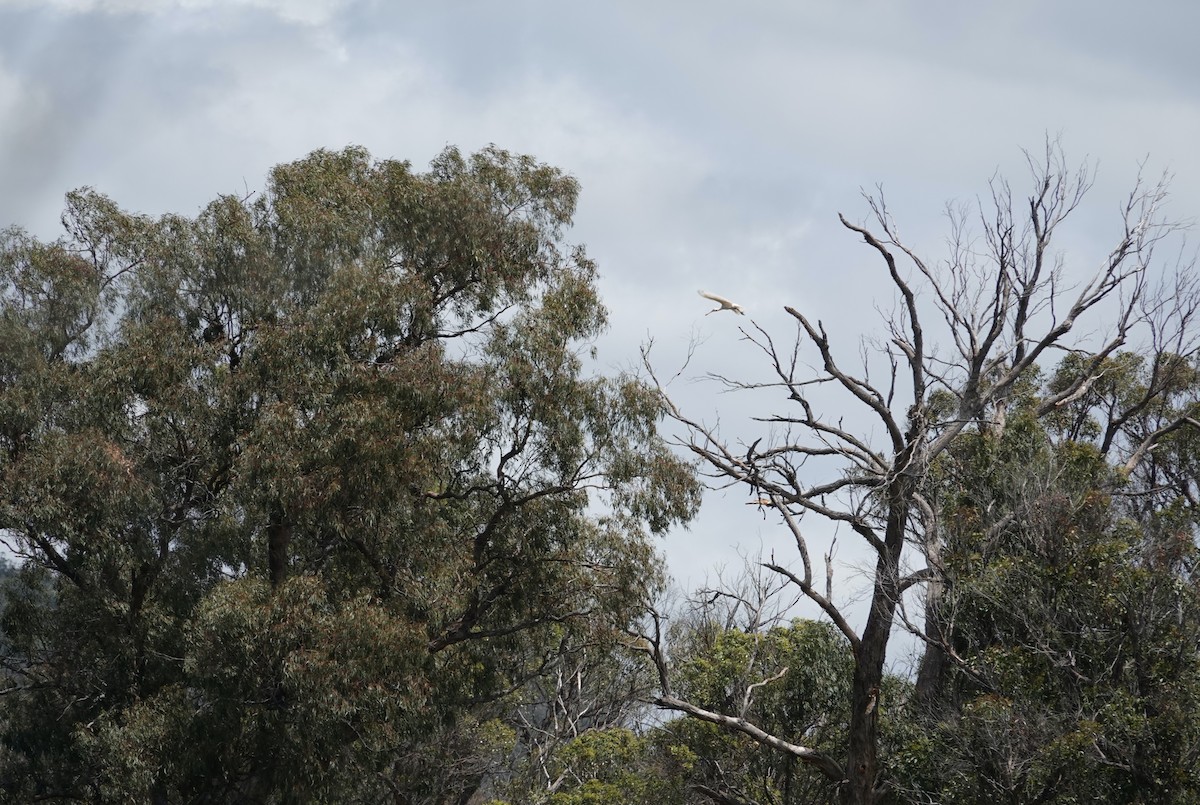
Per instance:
{"type": "Point", "coordinates": [931, 674]}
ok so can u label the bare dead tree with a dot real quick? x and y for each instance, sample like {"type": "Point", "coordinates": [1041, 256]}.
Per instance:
{"type": "Point", "coordinates": [998, 307]}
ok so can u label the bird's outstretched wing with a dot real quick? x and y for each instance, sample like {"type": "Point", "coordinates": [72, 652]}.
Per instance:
{"type": "Point", "coordinates": [720, 300]}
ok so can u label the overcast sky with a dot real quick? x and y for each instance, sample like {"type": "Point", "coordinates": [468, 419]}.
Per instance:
{"type": "Point", "coordinates": [715, 142]}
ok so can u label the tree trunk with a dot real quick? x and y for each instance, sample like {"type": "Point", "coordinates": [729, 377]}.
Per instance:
{"type": "Point", "coordinates": [931, 675]}
{"type": "Point", "coordinates": [862, 766]}
{"type": "Point", "coordinates": [862, 751]}
{"type": "Point", "coordinates": [279, 538]}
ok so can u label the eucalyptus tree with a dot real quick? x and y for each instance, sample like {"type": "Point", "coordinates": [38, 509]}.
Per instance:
{"type": "Point", "coordinates": [1074, 621]}
{"type": "Point", "coordinates": [967, 332]}
{"type": "Point", "coordinates": [305, 485]}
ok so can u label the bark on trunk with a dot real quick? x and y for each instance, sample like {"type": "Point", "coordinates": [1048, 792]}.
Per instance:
{"type": "Point", "coordinates": [862, 760]}
{"type": "Point", "coordinates": [931, 676]}
{"type": "Point", "coordinates": [279, 538]}
{"type": "Point", "coordinates": [862, 785]}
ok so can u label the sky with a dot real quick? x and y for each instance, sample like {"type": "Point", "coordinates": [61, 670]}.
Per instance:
{"type": "Point", "coordinates": [716, 143]}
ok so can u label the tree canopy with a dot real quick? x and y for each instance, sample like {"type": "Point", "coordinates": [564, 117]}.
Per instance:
{"type": "Point", "coordinates": [305, 484]}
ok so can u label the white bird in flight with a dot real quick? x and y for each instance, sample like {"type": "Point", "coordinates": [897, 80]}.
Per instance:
{"type": "Point", "coordinates": [724, 303]}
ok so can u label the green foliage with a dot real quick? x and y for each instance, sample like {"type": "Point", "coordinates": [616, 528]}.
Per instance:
{"type": "Point", "coordinates": [806, 701]}
{"type": "Point", "coordinates": [1076, 631]}
{"type": "Point", "coordinates": [685, 760]}
{"type": "Point", "coordinates": [319, 472]}
{"type": "Point", "coordinates": [717, 665]}
{"type": "Point", "coordinates": [609, 766]}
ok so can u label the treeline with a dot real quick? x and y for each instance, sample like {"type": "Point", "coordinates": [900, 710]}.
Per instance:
{"type": "Point", "coordinates": [313, 500]}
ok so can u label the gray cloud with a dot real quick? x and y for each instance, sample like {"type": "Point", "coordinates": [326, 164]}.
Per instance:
{"type": "Point", "coordinates": [715, 143]}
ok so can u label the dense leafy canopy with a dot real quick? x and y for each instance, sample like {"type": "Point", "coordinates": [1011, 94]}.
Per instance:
{"type": "Point", "coordinates": [1073, 611]}
{"type": "Point", "coordinates": [308, 483]}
